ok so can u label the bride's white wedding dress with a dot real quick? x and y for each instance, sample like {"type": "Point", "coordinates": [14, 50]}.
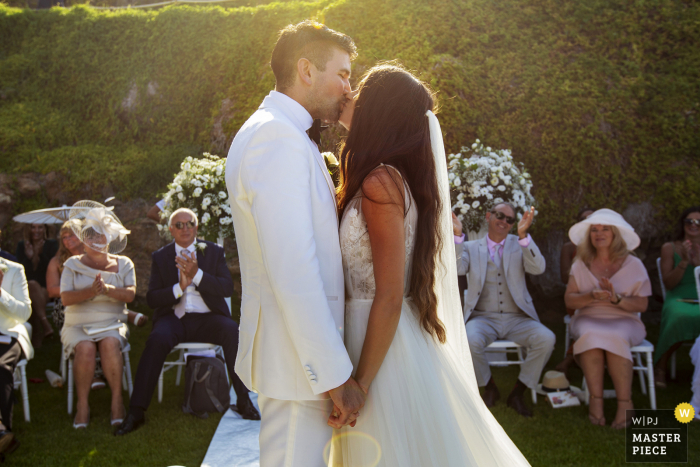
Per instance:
{"type": "Point", "coordinates": [423, 408]}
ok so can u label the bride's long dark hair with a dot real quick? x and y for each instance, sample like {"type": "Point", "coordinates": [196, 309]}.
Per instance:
{"type": "Point", "coordinates": [389, 126]}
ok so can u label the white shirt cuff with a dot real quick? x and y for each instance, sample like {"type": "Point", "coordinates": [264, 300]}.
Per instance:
{"type": "Point", "coordinates": [525, 242]}
{"type": "Point", "coordinates": [177, 291]}
{"type": "Point", "coordinates": [459, 239]}
{"type": "Point", "coordinates": [197, 277]}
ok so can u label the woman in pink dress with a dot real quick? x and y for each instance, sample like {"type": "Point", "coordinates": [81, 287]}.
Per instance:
{"type": "Point", "coordinates": [609, 288]}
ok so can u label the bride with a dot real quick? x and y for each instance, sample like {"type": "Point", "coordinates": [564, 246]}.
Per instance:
{"type": "Point", "coordinates": [404, 327]}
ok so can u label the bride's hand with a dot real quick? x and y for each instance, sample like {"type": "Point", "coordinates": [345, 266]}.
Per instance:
{"type": "Point", "coordinates": [349, 108]}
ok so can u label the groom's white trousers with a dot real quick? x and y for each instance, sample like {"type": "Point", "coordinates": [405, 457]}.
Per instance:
{"type": "Point", "coordinates": [294, 433]}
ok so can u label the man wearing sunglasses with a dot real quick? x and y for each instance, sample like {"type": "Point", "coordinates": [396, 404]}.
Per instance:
{"type": "Point", "coordinates": [189, 283]}
{"type": "Point", "coordinates": [498, 305]}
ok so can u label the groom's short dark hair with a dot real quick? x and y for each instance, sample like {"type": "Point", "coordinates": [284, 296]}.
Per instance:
{"type": "Point", "coordinates": [310, 40]}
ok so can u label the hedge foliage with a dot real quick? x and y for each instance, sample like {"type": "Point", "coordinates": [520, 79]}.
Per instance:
{"type": "Point", "coordinates": [599, 99]}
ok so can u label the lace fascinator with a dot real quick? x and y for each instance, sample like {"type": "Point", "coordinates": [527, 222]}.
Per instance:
{"type": "Point", "coordinates": [98, 227]}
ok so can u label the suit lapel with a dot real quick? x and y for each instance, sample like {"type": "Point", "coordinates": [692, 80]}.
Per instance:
{"type": "Point", "coordinates": [170, 264]}
{"type": "Point", "coordinates": [329, 181]}
{"type": "Point", "coordinates": [483, 259]}
{"type": "Point", "coordinates": [506, 254]}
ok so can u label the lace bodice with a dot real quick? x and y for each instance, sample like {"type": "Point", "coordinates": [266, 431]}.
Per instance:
{"type": "Point", "coordinates": [357, 252]}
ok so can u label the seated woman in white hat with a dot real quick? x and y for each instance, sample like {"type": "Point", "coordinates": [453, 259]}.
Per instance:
{"type": "Point", "coordinates": [608, 287]}
{"type": "Point", "coordinates": [95, 288]}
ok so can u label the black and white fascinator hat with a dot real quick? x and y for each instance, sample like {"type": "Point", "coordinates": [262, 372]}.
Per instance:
{"type": "Point", "coordinates": [98, 227]}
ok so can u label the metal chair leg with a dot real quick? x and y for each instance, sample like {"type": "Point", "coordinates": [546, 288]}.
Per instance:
{"type": "Point", "coordinates": [70, 386]}
{"type": "Point", "coordinates": [25, 392]}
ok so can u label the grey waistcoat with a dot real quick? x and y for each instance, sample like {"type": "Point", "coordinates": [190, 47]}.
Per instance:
{"type": "Point", "coordinates": [495, 296]}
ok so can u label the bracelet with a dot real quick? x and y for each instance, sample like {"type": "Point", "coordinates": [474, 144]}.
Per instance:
{"type": "Point", "coordinates": [619, 299]}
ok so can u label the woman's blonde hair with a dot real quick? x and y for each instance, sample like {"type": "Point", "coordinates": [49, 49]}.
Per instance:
{"type": "Point", "coordinates": [27, 234]}
{"type": "Point", "coordinates": [586, 252]}
{"type": "Point", "coordinates": [63, 253]}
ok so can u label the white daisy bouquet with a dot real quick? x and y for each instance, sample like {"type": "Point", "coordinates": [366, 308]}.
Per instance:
{"type": "Point", "coordinates": [200, 186]}
{"type": "Point", "coordinates": [481, 177]}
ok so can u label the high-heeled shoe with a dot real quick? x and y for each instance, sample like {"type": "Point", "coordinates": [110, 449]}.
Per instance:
{"type": "Point", "coordinates": [116, 421]}
{"type": "Point", "coordinates": [596, 421]}
{"type": "Point", "coordinates": [78, 426]}
{"type": "Point", "coordinates": [628, 417]}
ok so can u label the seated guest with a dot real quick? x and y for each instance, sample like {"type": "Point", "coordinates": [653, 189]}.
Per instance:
{"type": "Point", "coordinates": [680, 321]}
{"type": "Point", "coordinates": [189, 281]}
{"type": "Point", "coordinates": [608, 287]}
{"type": "Point", "coordinates": [34, 253]}
{"type": "Point", "coordinates": [498, 305]}
{"type": "Point", "coordinates": [7, 254]}
{"type": "Point", "coordinates": [70, 245]}
{"type": "Point", "coordinates": [156, 209]}
{"type": "Point", "coordinates": [95, 288]}
{"type": "Point", "coordinates": [566, 259]}
{"type": "Point", "coordinates": [15, 310]}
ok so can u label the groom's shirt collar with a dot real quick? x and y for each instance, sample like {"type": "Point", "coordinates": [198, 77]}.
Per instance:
{"type": "Point", "coordinates": [294, 110]}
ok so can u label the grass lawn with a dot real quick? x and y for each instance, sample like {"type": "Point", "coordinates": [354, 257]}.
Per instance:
{"type": "Point", "coordinates": [561, 437]}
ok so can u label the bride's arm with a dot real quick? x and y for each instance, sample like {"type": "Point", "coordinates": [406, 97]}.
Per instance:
{"type": "Point", "coordinates": [383, 208]}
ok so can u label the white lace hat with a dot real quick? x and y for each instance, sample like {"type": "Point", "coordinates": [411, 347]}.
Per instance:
{"type": "Point", "coordinates": [578, 232]}
{"type": "Point", "coordinates": [98, 227]}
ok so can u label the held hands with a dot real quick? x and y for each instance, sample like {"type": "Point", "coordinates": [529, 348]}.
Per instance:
{"type": "Point", "coordinates": [347, 399]}
{"type": "Point", "coordinates": [99, 287]}
{"type": "Point", "coordinates": [606, 291]}
{"type": "Point", "coordinates": [188, 267]}
{"type": "Point", "coordinates": [690, 253]}
{"type": "Point", "coordinates": [456, 225]}
{"type": "Point", "coordinates": [29, 249]}
{"type": "Point", "coordinates": [526, 222]}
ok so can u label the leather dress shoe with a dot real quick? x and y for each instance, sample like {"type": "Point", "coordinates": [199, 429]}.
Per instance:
{"type": "Point", "coordinates": [247, 409]}
{"type": "Point", "coordinates": [517, 403]}
{"type": "Point", "coordinates": [6, 438]}
{"type": "Point", "coordinates": [129, 424]}
{"type": "Point", "coordinates": [491, 395]}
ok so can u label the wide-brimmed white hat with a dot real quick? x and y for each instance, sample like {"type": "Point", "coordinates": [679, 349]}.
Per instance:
{"type": "Point", "coordinates": [98, 227]}
{"type": "Point", "coordinates": [578, 232]}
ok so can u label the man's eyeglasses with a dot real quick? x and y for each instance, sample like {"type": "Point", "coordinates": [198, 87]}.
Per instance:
{"type": "Point", "coordinates": [182, 225]}
{"type": "Point", "coordinates": [695, 222]}
{"type": "Point", "coordinates": [500, 216]}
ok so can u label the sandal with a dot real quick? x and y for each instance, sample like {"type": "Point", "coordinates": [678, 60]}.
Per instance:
{"type": "Point", "coordinates": [596, 421]}
{"type": "Point", "coordinates": [78, 426]}
{"type": "Point", "coordinates": [628, 417]}
{"type": "Point", "coordinates": [116, 421]}
{"type": "Point", "coordinates": [98, 383]}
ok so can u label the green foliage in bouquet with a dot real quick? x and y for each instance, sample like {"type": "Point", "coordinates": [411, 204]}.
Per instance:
{"type": "Point", "coordinates": [200, 186]}
{"type": "Point", "coordinates": [480, 178]}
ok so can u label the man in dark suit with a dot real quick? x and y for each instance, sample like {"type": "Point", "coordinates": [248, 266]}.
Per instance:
{"type": "Point", "coordinates": [189, 280]}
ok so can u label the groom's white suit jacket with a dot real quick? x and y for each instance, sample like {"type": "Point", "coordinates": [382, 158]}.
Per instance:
{"type": "Point", "coordinates": [284, 214]}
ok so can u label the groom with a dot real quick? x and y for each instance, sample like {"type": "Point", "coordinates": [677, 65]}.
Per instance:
{"type": "Point", "coordinates": [291, 349]}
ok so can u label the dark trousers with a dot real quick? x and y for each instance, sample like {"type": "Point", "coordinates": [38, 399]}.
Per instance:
{"type": "Point", "coordinates": [10, 355]}
{"type": "Point", "coordinates": [462, 284]}
{"type": "Point", "coordinates": [168, 331]}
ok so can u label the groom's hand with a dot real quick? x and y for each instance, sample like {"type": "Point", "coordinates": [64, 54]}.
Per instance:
{"type": "Point", "coordinates": [348, 399]}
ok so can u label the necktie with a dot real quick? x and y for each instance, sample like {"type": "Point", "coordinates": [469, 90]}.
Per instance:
{"type": "Point", "coordinates": [315, 132]}
{"type": "Point", "coordinates": [497, 254]}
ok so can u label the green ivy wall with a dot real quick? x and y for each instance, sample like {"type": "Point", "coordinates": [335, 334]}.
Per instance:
{"type": "Point", "coordinates": [599, 98]}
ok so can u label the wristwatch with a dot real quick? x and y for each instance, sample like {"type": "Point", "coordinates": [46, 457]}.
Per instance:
{"type": "Point", "coordinates": [619, 299]}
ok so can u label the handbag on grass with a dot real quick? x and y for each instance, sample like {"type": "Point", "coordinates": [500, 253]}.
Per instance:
{"type": "Point", "coordinates": [206, 386]}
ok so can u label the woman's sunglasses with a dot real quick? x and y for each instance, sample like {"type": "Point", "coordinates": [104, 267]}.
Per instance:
{"type": "Point", "coordinates": [695, 222]}
{"type": "Point", "coordinates": [182, 225]}
{"type": "Point", "coordinates": [500, 216]}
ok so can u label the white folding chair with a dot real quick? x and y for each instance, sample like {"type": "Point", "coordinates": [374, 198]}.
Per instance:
{"type": "Point", "coordinates": [505, 347]}
{"type": "Point", "coordinates": [126, 375]}
{"type": "Point", "coordinates": [21, 383]}
{"type": "Point", "coordinates": [183, 348]}
{"type": "Point", "coordinates": [646, 349]}
{"type": "Point", "coordinates": [567, 336]}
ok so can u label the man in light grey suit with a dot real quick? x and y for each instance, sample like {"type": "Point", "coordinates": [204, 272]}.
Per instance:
{"type": "Point", "coordinates": [498, 305]}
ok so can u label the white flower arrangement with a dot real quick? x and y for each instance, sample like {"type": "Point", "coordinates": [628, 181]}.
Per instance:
{"type": "Point", "coordinates": [480, 178]}
{"type": "Point", "coordinates": [200, 186]}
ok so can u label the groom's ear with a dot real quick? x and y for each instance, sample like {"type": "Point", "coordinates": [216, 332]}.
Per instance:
{"type": "Point", "coordinates": [304, 71]}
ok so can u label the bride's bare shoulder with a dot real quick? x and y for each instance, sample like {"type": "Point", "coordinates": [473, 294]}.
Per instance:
{"type": "Point", "coordinates": [384, 185]}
